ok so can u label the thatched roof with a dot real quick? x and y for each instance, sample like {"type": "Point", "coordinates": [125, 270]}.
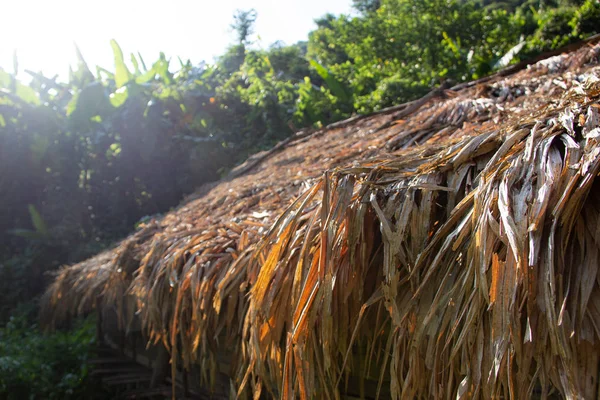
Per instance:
{"type": "Point", "coordinates": [446, 250]}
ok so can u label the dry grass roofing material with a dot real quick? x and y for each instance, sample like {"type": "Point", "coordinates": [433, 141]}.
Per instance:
{"type": "Point", "coordinates": [453, 254]}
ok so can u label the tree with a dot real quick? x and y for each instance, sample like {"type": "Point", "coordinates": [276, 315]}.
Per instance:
{"type": "Point", "coordinates": [243, 24]}
{"type": "Point", "coordinates": [366, 6]}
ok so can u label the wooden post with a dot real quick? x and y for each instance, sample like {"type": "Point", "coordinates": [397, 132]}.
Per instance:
{"type": "Point", "coordinates": [186, 388]}
{"type": "Point", "coordinates": [99, 333]}
{"type": "Point", "coordinates": [160, 366]}
{"type": "Point", "coordinates": [134, 346]}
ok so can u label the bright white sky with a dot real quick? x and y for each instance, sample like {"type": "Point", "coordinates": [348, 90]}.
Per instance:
{"type": "Point", "coordinates": [43, 31]}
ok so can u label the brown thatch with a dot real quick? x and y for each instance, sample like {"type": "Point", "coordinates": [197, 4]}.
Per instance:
{"type": "Point", "coordinates": [452, 253]}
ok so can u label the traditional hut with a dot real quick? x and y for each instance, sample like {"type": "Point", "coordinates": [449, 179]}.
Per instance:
{"type": "Point", "coordinates": [445, 248]}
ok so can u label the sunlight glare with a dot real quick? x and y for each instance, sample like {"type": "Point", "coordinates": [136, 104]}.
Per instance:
{"type": "Point", "coordinates": [43, 32]}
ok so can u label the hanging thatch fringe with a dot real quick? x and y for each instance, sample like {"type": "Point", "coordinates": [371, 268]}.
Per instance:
{"type": "Point", "coordinates": [451, 255]}
{"type": "Point", "coordinates": [486, 271]}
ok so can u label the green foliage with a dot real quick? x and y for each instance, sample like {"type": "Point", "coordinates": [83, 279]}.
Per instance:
{"type": "Point", "coordinates": [397, 51]}
{"type": "Point", "coordinates": [366, 6]}
{"type": "Point", "coordinates": [122, 74]}
{"type": "Point", "coordinates": [586, 18]}
{"type": "Point", "coordinates": [333, 84]}
{"type": "Point", "coordinates": [243, 24]}
{"type": "Point", "coordinates": [552, 27]}
{"type": "Point", "coordinates": [91, 157]}
{"type": "Point", "coordinates": [54, 366]}
{"type": "Point", "coordinates": [40, 232]}
{"type": "Point", "coordinates": [555, 28]}
{"type": "Point", "coordinates": [317, 106]}
{"type": "Point", "coordinates": [16, 90]}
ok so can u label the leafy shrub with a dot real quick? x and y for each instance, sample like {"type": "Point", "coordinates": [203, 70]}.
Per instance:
{"type": "Point", "coordinates": [555, 28]}
{"type": "Point", "coordinates": [559, 26]}
{"type": "Point", "coordinates": [389, 90]}
{"type": "Point", "coordinates": [587, 18]}
{"type": "Point", "coordinates": [55, 366]}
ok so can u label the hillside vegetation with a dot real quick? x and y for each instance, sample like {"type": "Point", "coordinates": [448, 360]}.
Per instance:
{"type": "Point", "coordinates": [83, 161]}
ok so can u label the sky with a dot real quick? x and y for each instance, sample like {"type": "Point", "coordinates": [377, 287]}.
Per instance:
{"type": "Point", "coordinates": [43, 32]}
